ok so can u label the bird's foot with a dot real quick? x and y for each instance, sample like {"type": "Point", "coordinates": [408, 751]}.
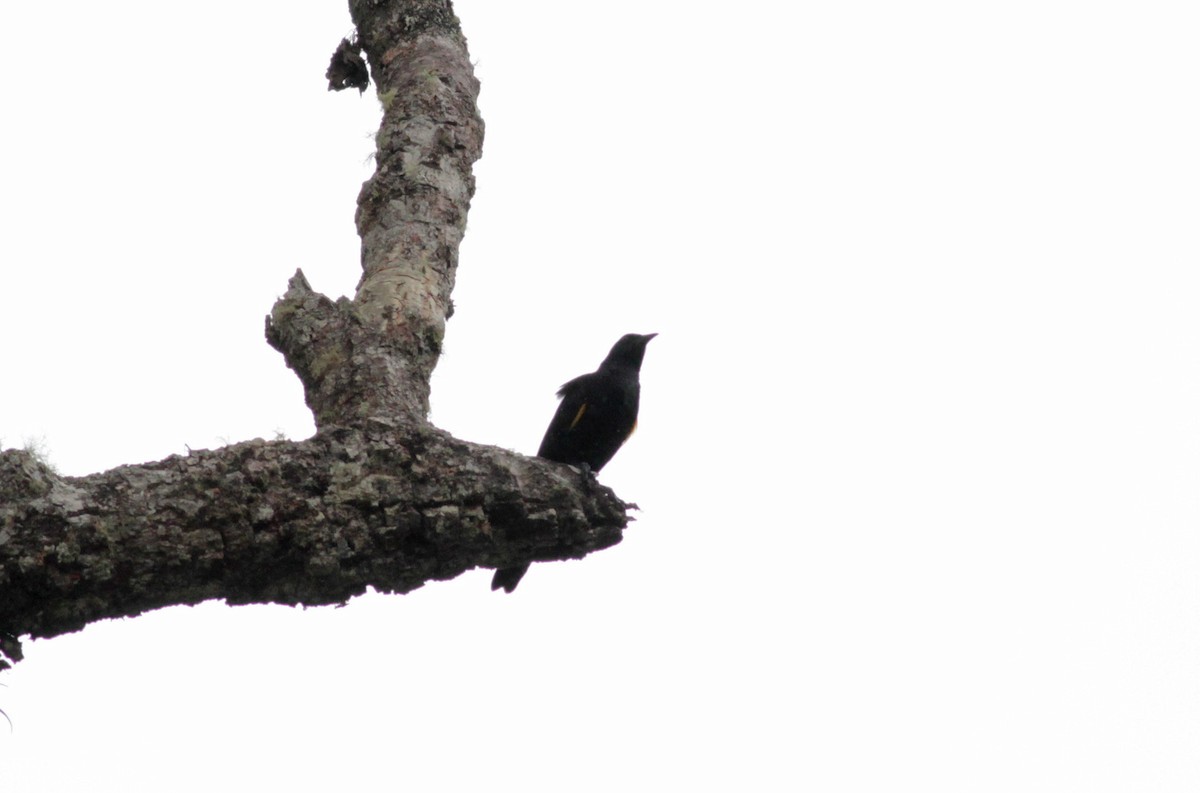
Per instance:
{"type": "Point", "coordinates": [589, 476]}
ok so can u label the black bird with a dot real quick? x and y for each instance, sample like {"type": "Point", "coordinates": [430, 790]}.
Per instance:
{"type": "Point", "coordinates": [597, 414]}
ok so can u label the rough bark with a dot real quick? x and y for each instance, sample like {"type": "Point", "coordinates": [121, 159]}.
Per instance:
{"type": "Point", "coordinates": [385, 505]}
{"type": "Point", "coordinates": [378, 497]}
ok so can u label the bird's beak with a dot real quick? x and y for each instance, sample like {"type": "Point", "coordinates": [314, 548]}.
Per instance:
{"type": "Point", "coordinates": [649, 336]}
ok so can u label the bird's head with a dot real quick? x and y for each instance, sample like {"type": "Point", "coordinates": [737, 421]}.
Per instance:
{"type": "Point", "coordinates": [628, 351]}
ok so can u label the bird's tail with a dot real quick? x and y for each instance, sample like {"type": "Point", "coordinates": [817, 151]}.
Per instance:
{"type": "Point", "coordinates": [508, 577]}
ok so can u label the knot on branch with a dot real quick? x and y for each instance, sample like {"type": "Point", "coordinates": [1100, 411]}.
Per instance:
{"type": "Point", "coordinates": [353, 364]}
{"type": "Point", "coordinates": [347, 69]}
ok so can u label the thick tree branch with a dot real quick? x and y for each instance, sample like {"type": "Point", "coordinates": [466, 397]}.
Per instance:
{"type": "Point", "coordinates": [413, 212]}
{"type": "Point", "coordinates": [314, 522]}
{"type": "Point", "coordinates": [378, 497]}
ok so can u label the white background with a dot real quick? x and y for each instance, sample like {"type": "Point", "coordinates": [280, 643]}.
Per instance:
{"type": "Point", "coordinates": [918, 455]}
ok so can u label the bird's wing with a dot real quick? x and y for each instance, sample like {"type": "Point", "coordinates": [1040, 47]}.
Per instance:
{"type": "Point", "coordinates": [570, 411]}
{"type": "Point", "coordinates": [575, 386]}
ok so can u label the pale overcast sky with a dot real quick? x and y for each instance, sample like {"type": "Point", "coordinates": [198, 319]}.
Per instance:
{"type": "Point", "coordinates": [919, 452]}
